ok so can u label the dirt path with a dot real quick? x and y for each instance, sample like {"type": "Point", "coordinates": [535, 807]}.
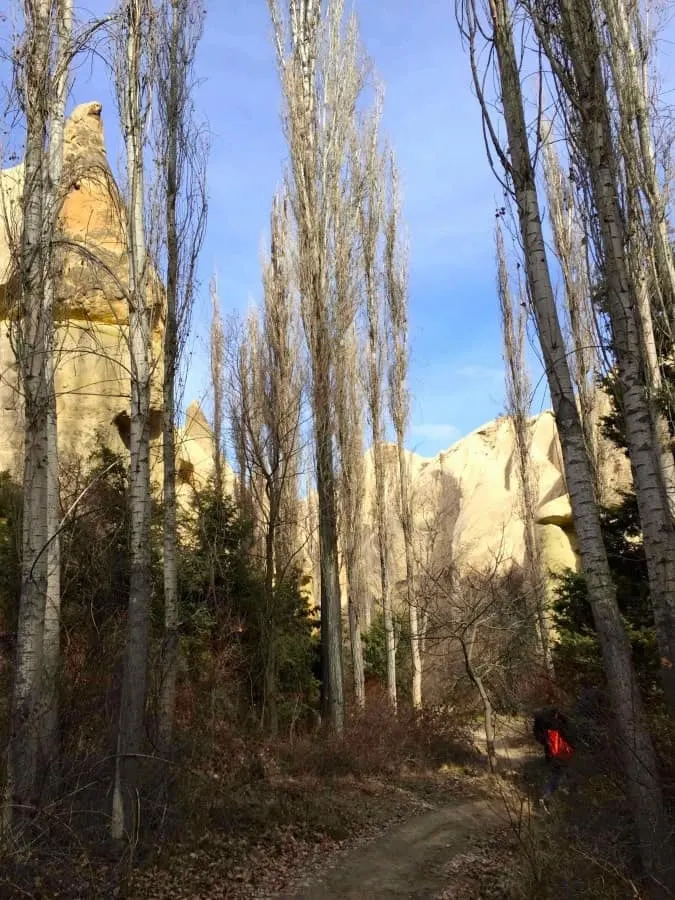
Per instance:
{"type": "Point", "coordinates": [413, 859]}
{"type": "Point", "coordinates": [409, 861]}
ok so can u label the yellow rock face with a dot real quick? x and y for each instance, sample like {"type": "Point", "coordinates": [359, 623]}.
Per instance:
{"type": "Point", "coordinates": [91, 312]}
{"type": "Point", "coordinates": [466, 500]}
{"type": "Point", "coordinates": [467, 503]}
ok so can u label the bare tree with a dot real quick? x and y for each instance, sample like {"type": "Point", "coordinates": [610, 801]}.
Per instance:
{"type": "Point", "coordinates": [396, 289]}
{"type": "Point", "coordinates": [321, 69]}
{"type": "Point", "coordinates": [569, 35]}
{"type": "Point", "coordinates": [54, 196]}
{"type": "Point", "coordinates": [349, 405]}
{"type": "Point", "coordinates": [349, 420]}
{"type": "Point", "coordinates": [648, 258]}
{"type": "Point", "coordinates": [285, 387]}
{"type": "Point", "coordinates": [266, 386]}
{"type": "Point", "coordinates": [184, 195]}
{"type": "Point", "coordinates": [518, 407]}
{"type": "Point", "coordinates": [638, 753]}
{"type": "Point", "coordinates": [629, 51]}
{"type": "Point", "coordinates": [367, 162]}
{"type": "Point", "coordinates": [477, 620]}
{"type": "Point", "coordinates": [572, 253]}
{"type": "Point", "coordinates": [41, 79]}
{"type": "Point", "coordinates": [134, 83]}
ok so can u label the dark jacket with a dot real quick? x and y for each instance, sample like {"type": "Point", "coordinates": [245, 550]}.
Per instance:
{"type": "Point", "coordinates": [550, 718]}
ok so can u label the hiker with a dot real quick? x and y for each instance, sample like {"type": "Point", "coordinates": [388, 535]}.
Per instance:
{"type": "Point", "coordinates": [552, 730]}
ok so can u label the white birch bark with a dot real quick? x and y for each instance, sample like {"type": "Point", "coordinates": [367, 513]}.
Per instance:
{"type": "Point", "coordinates": [33, 345]}
{"type": "Point", "coordinates": [131, 727]}
{"type": "Point", "coordinates": [587, 88]}
{"type": "Point", "coordinates": [632, 731]}
{"type": "Point", "coordinates": [185, 202]}
{"type": "Point", "coordinates": [52, 625]}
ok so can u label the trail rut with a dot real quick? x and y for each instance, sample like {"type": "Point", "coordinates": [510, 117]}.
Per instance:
{"type": "Point", "coordinates": [408, 861]}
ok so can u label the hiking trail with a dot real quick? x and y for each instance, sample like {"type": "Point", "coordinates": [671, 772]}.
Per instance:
{"type": "Point", "coordinates": [414, 859]}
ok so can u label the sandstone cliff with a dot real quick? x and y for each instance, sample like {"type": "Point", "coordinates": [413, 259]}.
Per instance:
{"type": "Point", "coordinates": [466, 500]}
{"type": "Point", "coordinates": [91, 312]}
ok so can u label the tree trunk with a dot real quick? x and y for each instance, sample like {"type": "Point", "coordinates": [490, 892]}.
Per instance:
{"type": "Point", "coordinates": [632, 732]}
{"type": "Point", "coordinates": [331, 610]}
{"type": "Point", "coordinates": [383, 552]}
{"type": "Point", "coordinates": [171, 646]}
{"type": "Point", "coordinates": [131, 733]}
{"type": "Point", "coordinates": [171, 643]}
{"type": "Point", "coordinates": [406, 521]}
{"type": "Point", "coordinates": [49, 738]}
{"type": "Point", "coordinates": [357, 651]}
{"type": "Point", "coordinates": [646, 454]}
{"type": "Point", "coordinates": [33, 348]}
{"type": "Point", "coordinates": [270, 625]}
{"type": "Point", "coordinates": [571, 252]}
{"type": "Point", "coordinates": [518, 403]}
{"type": "Point", "coordinates": [488, 711]}
{"type": "Point", "coordinates": [396, 287]}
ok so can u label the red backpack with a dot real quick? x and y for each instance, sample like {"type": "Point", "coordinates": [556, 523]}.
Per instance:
{"type": "Point", "coordinates": [558, 746]}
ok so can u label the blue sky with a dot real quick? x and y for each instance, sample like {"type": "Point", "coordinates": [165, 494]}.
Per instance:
{"type": "Point", "coordinates": [449, 192]}
{"type": "Point", "coordinates": [450, 195]}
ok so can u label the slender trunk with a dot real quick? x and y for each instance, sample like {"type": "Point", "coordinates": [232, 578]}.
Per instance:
{"type": "Point", "coordinates": [518, 401]}
{"type": "Point", "coordinates": [646, 454]}
{"type": "Point", "coordinates": [632, 731]}
{"type": "Point", "coordinates": [383, 553]}
{"type": "Point", "coordinates": [131, 727]}
{"type": "Point", "coordinates": [357, 649]}
{"type": "Point", "coordinates": [171, 644]}
{"type": "Point", "coordinates": [352, 512]}
{"type": "Point", "coordinates": [406, 523]}
{"type": "Point", "coordinates": [348, 409]}
{"type": "Point", "coordinates": [370, 220]}
{"type": "Point", "coordinates": [380, 500]}
{"type": "Point", "coordinates": [479, 684]}
{"type": "Point", "coordinates": [331, 611]}
{"type": "Point", "coordinates": [49, 743]}
{"type": "Point", "coordinates": [270, 619]}
{"type": "Point", "coordinates": [396, 288]}
{"type": "Point", "coordinates": [33, 346]}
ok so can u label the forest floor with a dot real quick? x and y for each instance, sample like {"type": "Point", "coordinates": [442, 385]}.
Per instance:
{"type": "Point", "coordinates": [453, 850]}
{"type": "Point", "coordinates": [447, 833]}
{"type": "Point", "coordinates": [438, 835]}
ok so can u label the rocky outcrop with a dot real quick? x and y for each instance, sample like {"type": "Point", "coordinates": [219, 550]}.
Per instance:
{"type": "Point", "coordinates": [466, 500]}
{"type": "Point", "coordinates": [91, 311]}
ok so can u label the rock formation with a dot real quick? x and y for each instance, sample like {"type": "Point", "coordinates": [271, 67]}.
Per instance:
{"type": "Point", "coordinates": [466, 500]}
{"type": "Point", "coordinates": [91, 312]}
